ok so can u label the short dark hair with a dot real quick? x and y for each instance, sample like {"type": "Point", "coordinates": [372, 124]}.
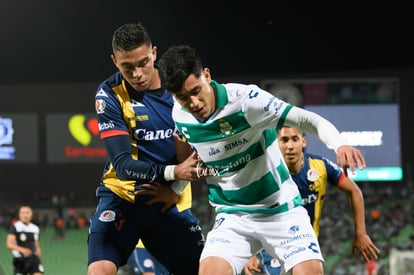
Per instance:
{"type": "Point", "coordinates": [301, 132]}
{"type": "Point", "coordinates": [130, 36]}
{"type": "Point", "coordinates": [177, 64]}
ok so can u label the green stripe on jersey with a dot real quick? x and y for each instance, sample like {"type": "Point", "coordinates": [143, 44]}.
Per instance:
{"type": "Point", "coordinates": [270, 136]}
{"type": "Point", "coordinates": [216, 130]}
{"type": "Point", "coordinates": [250, 194]}
{"type": "Point", "coordinates": [283, 172]}
{"type": "Point", "coordinates": [297, 201]}
{"type": "Point", "coordinates": [283, 117]}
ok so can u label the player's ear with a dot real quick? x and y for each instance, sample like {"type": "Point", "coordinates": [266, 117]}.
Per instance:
{"type": "Point", "coordinates": [207, 75]}
{"type": "Point", "coordinates": [113, 57]}
{"type": "Point", "coordinates": [154, 53]}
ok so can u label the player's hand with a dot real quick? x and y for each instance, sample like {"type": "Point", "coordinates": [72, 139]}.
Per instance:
{"type": "Point", "coordinates": [26, 251]}
{"type": "Point", "coordinates": [160, 193]}
{"type": "Point", "coordinates": [190, 169]}
{"type": "Point", "coordinates": [252, 266]}
{"type": "Point", "coordinates": [349, 157]}
{"type": "Point", "coordinates": [366, 247]}
{"type": "Point", "coordinates": [183, 149]}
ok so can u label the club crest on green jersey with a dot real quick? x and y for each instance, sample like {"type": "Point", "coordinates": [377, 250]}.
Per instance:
{"type": "Point", "coordinates": [226, 129]}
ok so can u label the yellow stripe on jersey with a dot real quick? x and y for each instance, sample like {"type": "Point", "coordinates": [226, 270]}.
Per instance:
{"type": "Point", "coordinates": [125, 188]}
{"type": "Point", "coordinates": [185, 199]}
{"type": "Point", "coordinates": [318, 186]}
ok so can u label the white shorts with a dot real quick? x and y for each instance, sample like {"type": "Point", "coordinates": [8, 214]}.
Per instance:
{"type": "Point", "coordinates": [289, 237]}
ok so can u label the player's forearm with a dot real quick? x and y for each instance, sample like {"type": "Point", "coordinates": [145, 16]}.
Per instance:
{"type": "Point", "coordinates": [358, 211]}
{"type": "Point", "coordinates": [38, 250]}
{"type": "Point", "coordinates": [16, 247]}
{"type": "Point", "coordinates": [119, 154]}
{"type": "Point", "coordinates": [316, 125]}
{"type": "Point", "coordinates": [140, 171]}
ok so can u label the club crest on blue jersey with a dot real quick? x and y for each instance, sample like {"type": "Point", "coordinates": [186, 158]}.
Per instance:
{"type": "Point", "coordinates": [312, 175]}
{"type": "Point", "coordinates": [100, 105]}
{"type": "Point", "coordinates": [107, 216]}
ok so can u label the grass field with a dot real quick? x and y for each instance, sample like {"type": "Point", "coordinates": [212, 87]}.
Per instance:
{"type": "Point", "coordinates": [67, 256]}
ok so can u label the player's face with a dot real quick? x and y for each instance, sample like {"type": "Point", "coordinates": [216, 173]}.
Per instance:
{"type": "Point", "coordinates": [25, 214]}
{"type": "Point", "coordinates": [137, 66]}
{"type": "Point", "coordinates": [291, 144]}
{"type": "Point", "coordinates": [197, 95]}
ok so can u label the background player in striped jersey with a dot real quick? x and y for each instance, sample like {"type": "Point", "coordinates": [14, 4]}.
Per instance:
{"type": "Point", "coordinates": [312, 173]}
{"type": "Point", "coordinates": [232, 127]}
{"type": "Point", "coordinates": [23, 241]}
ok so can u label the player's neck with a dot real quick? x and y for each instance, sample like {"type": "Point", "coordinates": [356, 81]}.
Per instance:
{"type": "Point", "coordinates": [156, 81]}
{"type": "Point", "coordinates": [297, 166]}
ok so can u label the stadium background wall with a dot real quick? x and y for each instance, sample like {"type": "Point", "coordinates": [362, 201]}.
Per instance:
{"type": "Point", "coordinates": [40, 181]}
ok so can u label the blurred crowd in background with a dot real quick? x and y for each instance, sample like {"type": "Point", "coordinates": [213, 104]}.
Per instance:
{"type": "Point", "coordinates": [389, 222]}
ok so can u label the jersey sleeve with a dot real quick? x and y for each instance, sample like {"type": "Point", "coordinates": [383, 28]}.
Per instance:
{"type": "Point", "coordinates": [119, 154]}
{"type": "Point", "coordinates": [335, 173]}
{"type": "Point", "coordinates": [316, 125]}
{"type": "Point", "coordinates": [12, 229]}
{"type": "Point", "coordinates": [109, 114]}
{"type": "Point", "coordinates": [261, 107]}
{"type": "Point", "coordinates": [115, 135]}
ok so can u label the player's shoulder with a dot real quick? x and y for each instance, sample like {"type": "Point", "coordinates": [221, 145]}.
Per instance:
{"type": "Point", "coordinates": [329, 164]}
{"type": "Point", "coordinates": [106, 87]}
{"type": "Point", "coordinates": [13, 226]}
{"type": "Point", "coordinates": [240, 88]}
{"type": "Point", "coordinates": [18, 223]}
{"type": "Point", "coordinates": [20, 226]}
{"type": "Point", "coordinates": [246, 94]}
{"type": "Point", "coordinates": [317, 158]}
{"type": "Point", "coordinates": [312, 156]}
{"type": "Point", "coordinates": [34, 227]}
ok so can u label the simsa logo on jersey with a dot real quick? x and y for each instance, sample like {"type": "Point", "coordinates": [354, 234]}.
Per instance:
{"type": "Point", "coordinates": [74, 138]}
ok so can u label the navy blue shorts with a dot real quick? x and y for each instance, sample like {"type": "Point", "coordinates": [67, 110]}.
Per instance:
{"type": "Point", "coordinates": [174, 238]}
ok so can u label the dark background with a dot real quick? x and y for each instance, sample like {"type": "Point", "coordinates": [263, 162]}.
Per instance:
{"type": "Point", "coordinates": [49, 40]}
{"type": "Point", "coordinates": [54, 53]}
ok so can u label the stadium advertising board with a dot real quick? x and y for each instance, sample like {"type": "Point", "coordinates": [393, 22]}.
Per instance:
{"type": "Point", "coordinates": [73, 138]}
{"type": "Point", "coordinates": [19, 138]}
{"type": "Point", "coordinates": [366, 112]}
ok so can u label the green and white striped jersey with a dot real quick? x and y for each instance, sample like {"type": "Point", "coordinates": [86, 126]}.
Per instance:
{"type": "Point", "coordinates": [238, 143]}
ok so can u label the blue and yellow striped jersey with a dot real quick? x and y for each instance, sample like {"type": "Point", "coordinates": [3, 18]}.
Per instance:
{"type": "Point", "coordinates": [312, 181]}
{"type": "Point", "coordinates": [145, 117]}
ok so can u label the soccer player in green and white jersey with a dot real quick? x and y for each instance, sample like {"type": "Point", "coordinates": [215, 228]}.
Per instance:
{"type": "Point", "coordinates": [232, 127]}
